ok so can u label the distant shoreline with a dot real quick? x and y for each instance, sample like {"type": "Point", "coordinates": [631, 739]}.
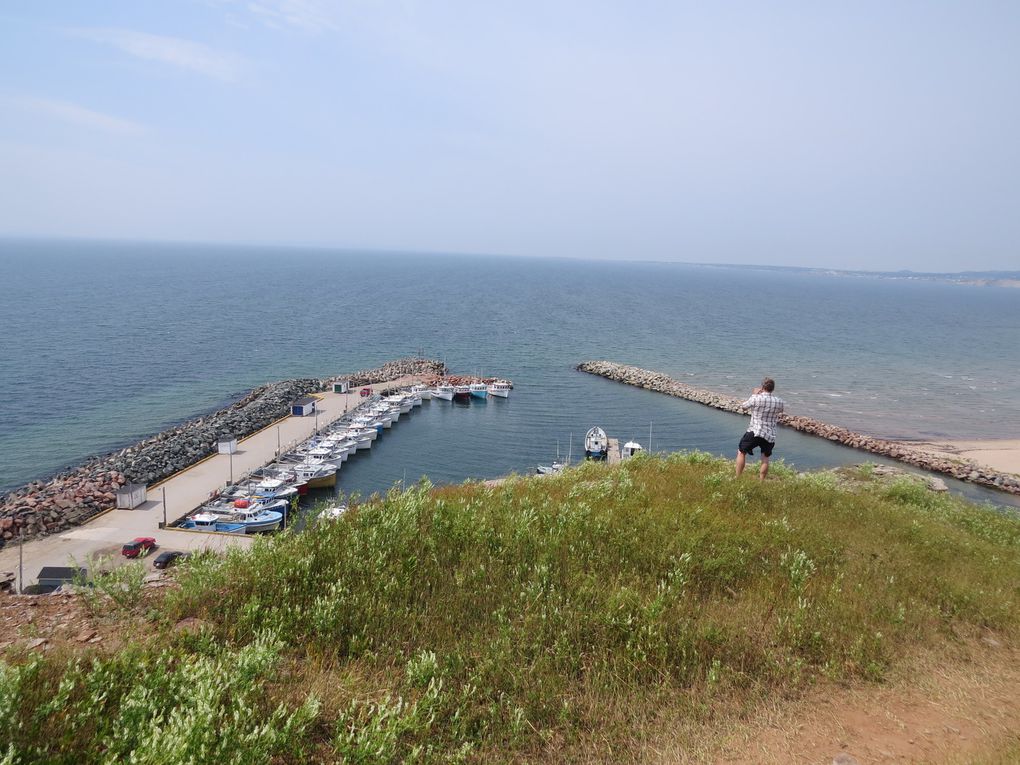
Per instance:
{"type": "Point", "coordinates": [1007, 279]}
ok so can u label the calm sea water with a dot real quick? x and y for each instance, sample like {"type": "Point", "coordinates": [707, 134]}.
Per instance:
{"type": "Point", "coordinates": [104, 343]}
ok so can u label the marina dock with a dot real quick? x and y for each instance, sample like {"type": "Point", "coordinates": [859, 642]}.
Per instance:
{"type": "Point", "coordinates": [104, 534]}
{"type": "Point", "coordinates": [614, 455]}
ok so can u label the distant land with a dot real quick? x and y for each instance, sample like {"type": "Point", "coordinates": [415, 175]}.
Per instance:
{"type": "Point", "coordinates": [978, 278]}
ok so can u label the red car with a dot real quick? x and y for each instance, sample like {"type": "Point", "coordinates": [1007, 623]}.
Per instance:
{"type": "Point", "coordinates": [366, 392]}
{"type": "Point", "coordinates": [138, 547]}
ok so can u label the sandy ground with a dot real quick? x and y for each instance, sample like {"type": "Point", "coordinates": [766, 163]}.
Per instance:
{"type": "Point", "coordinates": [998, 454]}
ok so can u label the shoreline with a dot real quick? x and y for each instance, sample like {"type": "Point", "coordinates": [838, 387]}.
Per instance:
{"type": "Point", "coordinates": [946, 460]}
{"type": "Point", "coordinates": [999, 454]}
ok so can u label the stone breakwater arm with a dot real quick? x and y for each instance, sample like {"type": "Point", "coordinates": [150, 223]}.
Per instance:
{"type": "Point", "coordinates": [963, 470]}
{"type": "Point", "coordinates": [78, 494]}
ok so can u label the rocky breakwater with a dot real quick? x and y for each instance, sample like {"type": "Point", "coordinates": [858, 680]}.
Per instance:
{"type": "Point", "coordinates": [76, 495]}
{"type": "Point", "coordinates": [964, 470]}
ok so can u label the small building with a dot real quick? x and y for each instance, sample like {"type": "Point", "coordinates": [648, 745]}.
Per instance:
{"type": "Point", "coordinates": [303, 407]}
{"type": "Point", "coordinates": [226, 445]}
{"type": "Point", "coordinates": [130, 496]}
{"type": "Point", "coordinates": [341, 386]}
{"type": "Point", "coordinates": [55, 576]}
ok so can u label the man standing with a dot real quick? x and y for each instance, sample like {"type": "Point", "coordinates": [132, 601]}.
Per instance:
{"type": "Point", "coordinates": [765, 410]}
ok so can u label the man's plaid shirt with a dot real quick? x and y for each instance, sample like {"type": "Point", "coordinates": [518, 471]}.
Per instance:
{"type": "Point", "coordinates": [765, 410]}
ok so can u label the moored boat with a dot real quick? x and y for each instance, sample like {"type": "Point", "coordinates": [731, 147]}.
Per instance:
{"type": "Point", "coordinates": [461, 392]}
{"type": "Point", "coordinates": [444, 392]}
{"type": "Point", "coordinates": [631, 448]}
{"type": "Point", "coordinates": [596, 444]}
{"type": "Point", "coordinates": [500, 388]}
{"type": "Point", "coordinates": [479, 390]}
{"type": "Point", "coordinates": [422, 390]}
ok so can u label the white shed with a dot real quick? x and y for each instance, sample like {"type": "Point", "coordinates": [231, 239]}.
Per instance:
{"type": "Point", "coordinates": [303, 407]}
{"type": "Point", "coordinates": [130, 496]}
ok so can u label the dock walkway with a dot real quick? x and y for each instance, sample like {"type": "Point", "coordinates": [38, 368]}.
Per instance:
{"type": "Point", "coordinates": [104, 534]}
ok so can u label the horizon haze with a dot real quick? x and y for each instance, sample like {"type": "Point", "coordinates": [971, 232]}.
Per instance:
{"type": "Point", "coordinates": [869, 137]}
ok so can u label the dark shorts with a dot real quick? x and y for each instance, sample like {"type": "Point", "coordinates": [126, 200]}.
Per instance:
{"type": "Point", "coordinates": [750, 442]}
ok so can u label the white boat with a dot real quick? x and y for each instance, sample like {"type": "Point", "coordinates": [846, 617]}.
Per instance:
{"type": "Point", "coordinates": [318, 475]}
{"type": "Point", "coordinates": [479, 390]}
{"type": "Point", "coordinates": [381, 413]}
{"type": "Point", "coordinates": [402, 402]}
{"type": "Point", "coordinates": [366, 424]}
{"type": "Point", "coordinates": [415, 399]}
{"type": "Point", "coordinates": [553, 469]}
{"type": "Point", "coordinates": [596, 444]}
{"type": "Point", "coordinates": [444, 392]}
{"type": "Point", "coordinates": [631, 448]}
{"type": "Point", "coordinates": [206, 521]}
{"type": "Point", "coordinates": [422, 390]}
{"type": "Point", "coordinates": [500, 388]}
{"type": "Point", "coordinates": [332, 513]}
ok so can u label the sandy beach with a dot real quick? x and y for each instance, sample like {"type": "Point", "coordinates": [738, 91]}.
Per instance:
{"type": "Point", "coordinates": [997, 454]}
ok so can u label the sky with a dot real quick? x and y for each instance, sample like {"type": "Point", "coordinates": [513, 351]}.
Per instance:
{"type": "Point", "coordinates": [859, 135]}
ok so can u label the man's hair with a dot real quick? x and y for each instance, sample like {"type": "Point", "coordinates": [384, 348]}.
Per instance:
{"type": "Point", "coordinates": [768, 384]}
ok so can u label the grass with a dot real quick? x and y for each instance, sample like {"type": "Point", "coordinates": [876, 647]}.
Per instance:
{"type": "Point", "coordinates": [537, 620]}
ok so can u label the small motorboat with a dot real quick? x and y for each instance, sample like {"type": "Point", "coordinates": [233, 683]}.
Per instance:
{"type": "Point", "coordinates": [553, 469]}
{"type": "Point", "coordinates": [332, 513]}
{"type": "Point", "coordinates": [596, 444]}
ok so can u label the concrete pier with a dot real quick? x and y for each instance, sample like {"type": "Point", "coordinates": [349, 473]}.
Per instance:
{"type": "Point", "coordinates": [104, 534]}
{"type": "Point", "coordinates": [614, 455]}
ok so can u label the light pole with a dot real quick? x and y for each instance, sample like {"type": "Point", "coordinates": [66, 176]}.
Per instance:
{"type": "Point", "coordinates": [278, 441]}
{"type": "Point", "coordinates": [231, 456]}
{"type": "Point", "coordinates": [163, 489]}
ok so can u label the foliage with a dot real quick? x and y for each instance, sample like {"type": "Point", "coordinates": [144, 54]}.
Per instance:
{"type": "Point", "coordinates": [474, 622]}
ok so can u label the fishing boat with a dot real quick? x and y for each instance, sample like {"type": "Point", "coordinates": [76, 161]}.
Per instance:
{"type": "Point", "coordinates": [444, 392]}
{"type": "Point", "coordinates": [596, 444]}
{"type": "Point", "coordinates": [500, 388]}
{"type": "Point", "coordinates": [318, 475]}
{"type": "Point", "coordinates": [205, 521]}
{"type": "Point", "coordinates": [479, 390]}
{"type": "Point", "coordinates": [553, 469]}
{"type": "Point", "coordinates": [461, 392]}
{"type": "Point", "coordinates": [399, 400]}
{"type": "Point", "coordinates": [424, 391]}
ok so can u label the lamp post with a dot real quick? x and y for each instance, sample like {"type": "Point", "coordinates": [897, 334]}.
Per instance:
{"type": "Point", "coordinates": [163, 489]}
{"type": "Point", "coordinates": [231, 456]}
{"type": "Point", "coordinates": [278, 441]}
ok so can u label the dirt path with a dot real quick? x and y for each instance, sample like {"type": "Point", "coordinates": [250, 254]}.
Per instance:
{"type": "Point", "coordinates": [959, 709]}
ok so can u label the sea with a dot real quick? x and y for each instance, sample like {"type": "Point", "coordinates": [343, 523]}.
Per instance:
{"type": "Point", "coordinates": [104, 343]}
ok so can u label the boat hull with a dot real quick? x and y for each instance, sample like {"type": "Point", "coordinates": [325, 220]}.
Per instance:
{"type": "Point", "coordinates": [322, 482]}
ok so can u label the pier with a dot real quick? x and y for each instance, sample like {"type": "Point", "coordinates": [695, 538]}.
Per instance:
{"type": "Point", "coordinates": [104, 534]}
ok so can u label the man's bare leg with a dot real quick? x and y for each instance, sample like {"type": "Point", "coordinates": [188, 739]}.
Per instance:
{"type": "Point", "coordinates": [741, 459]}
{"type": "Point", "coordinates": [764, 469]}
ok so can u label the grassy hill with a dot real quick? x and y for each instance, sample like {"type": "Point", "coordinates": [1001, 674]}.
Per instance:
{"type": "Point", "coordinates": [561, 619]}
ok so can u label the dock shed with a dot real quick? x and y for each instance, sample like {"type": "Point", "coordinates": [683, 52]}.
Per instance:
{"type": "Point", "coordinates": [54, 576]}
{"type": "Point", "coordinates": [226, 445]}
{"type": "Point", "coordinates": [303, 407]}
{"type": "Point", "coordinates": [341, 386]}
{"type": "Point", "coordinates": [130, 496]}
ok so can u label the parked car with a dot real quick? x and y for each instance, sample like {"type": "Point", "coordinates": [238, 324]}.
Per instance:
{"type": "Point", "coordinates": [365, 392]}
{"type": "Point", "coordinates": [169, 558]}
{"type": "Point", "coordinates": [138, 547]}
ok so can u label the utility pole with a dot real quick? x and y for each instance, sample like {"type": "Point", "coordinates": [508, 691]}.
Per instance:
{"type": "Point", "coordinates": [231, 455]}
{"type": "Point", "coordinates": [163, 489]}
{"type": "Point", "coordinates": [21, 559]}
{"type": "Point", "coordinates": [278, 441]}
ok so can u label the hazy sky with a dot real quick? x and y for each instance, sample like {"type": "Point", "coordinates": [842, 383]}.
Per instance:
{"type": "Point", "coordinates": [848, 134]}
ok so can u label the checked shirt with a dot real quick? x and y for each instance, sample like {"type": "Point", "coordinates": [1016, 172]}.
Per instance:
{"type": "Point", "coordinates": [765, 410]}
